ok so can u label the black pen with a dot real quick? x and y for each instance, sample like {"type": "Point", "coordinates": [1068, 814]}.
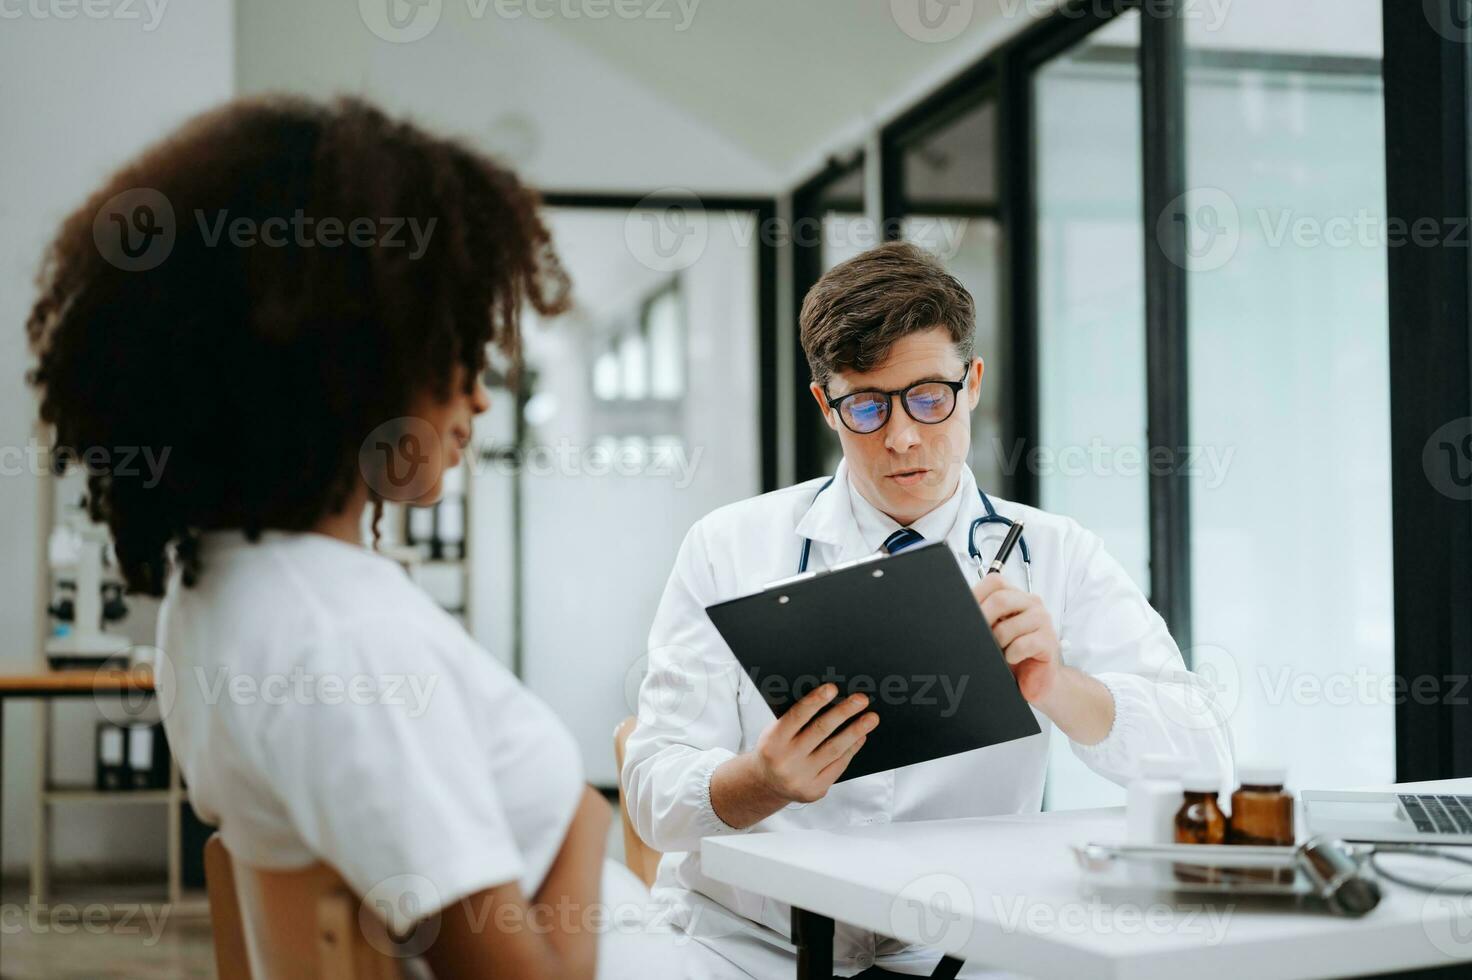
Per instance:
{"type": "Point", "coordinates": [1014, 535]}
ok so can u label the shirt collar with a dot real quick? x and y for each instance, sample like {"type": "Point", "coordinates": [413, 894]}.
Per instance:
{"type": "Point", "coordinates": [831, 520]}
{"type": "Point", "coordinates": [875, 526]}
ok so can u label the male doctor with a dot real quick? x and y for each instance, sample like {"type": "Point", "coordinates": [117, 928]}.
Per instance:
{"type": "Point", "coordinates": [889, 339]}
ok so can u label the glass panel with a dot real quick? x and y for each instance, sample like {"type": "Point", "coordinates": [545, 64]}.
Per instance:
{"type": "Point", "coordinates": [633, 366]}
{"type": "Point", "coordinates": [949, 178]}
{"type": "Point", "coordinates": [609, 488]}
{"type": "Point", "coordinates": [606, 378]}
{"type": "Point", "coordinates": [844, 231]}
{"type": "Point", "coordinates": [954, 168]}
{"type": "Point", "coordinates": [1091, 319]}
{"type": "Point", "coordinates": [845, 192]}
{"type": "Point", "coordinates": [1290, 515]}
{"type": "Point", "coordinates": [970, 248]}
{"type": "Point", "coordinates": [666, 352]}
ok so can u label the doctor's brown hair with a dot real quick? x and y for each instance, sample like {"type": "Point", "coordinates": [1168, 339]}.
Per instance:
{"type": "Point", "coordinates": [856, 312]}
{"type": "Point", "coordinates": [260, 365]}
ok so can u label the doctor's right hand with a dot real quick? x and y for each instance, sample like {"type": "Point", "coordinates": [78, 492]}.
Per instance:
{"type": "Point", "coordinates": [796, 759]}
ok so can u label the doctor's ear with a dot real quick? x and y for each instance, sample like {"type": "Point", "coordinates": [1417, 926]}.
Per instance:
{"type": "Point", "coordinates": [822, 399]}
{"type": "Point", "coordinates": [973, 384]}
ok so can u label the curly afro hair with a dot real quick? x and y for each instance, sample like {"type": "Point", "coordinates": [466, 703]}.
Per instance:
{"type": "Point", "coordinates": [260, 363]}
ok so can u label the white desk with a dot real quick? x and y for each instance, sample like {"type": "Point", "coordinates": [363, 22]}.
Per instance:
{"type": "Point", "coordinates": [1007, 892]}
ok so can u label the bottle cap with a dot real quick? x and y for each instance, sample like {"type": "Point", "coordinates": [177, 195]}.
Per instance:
{"type": "Point", "coordinates": [1262, 775]}
{"type": "Point", "coordinates": [1201, 781]}
{"type": "Point", "coordinates": [1162, 766]}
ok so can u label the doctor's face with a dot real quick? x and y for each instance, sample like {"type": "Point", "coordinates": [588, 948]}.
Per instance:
{"type": "Point", "coordinates": [907, 468]}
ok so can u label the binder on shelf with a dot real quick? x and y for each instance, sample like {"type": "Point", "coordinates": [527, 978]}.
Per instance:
{"type": "Point", "coordinates": [148, 756]}
{"type": "Point", "coordinates": [112, 756]}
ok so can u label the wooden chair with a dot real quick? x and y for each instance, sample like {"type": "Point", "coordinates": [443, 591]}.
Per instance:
{"type": "Point", "coordinates": [291, 925]}
{"type": "Point", "coordinates": [642, 859]}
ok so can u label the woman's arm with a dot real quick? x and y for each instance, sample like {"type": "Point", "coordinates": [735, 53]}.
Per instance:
{"type": "Point", "coordinates": [497, 933]}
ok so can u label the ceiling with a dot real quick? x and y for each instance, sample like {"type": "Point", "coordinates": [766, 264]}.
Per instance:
{"type": "Point", "coordinates": [789, 81]}
{"type": "Point", "coordinates": [716, 96]}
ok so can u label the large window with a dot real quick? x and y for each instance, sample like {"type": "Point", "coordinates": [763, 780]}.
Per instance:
{"type": "Point", "coordinates": [1289, 384]}
{"type": "Point", "coordinates": [1091, 451]}
{"type": "Point", "coordinates": [1091, 455]}
{"type": "Point", "coordinates": [829, 226]}
{"type": "Point", "coordinates": [948, 181]}
{"type": "Point", "coordinates": [1218, 347]}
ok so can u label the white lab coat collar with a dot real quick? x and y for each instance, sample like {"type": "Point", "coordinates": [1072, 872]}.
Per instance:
{"type": "Point", "coordinates": [969, 510]}
{"type": "Point", "coordinates": [830, 520]}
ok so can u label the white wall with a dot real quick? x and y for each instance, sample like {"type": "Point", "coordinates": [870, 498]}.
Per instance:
{"type": "Point", "coordinates": [77, 97]}
{"type": "Point", "coordinates": [599, 545]}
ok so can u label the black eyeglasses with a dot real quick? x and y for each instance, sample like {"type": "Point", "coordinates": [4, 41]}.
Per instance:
{"type": "Point", "coordinates": [927, 402]}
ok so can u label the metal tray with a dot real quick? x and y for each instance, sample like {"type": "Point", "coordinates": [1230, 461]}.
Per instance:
{"type": "Point", "coordinates": [1197, 868]}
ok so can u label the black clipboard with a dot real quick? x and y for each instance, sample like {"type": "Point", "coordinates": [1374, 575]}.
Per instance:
{"type": "Point", "coordinates": [903, 629]}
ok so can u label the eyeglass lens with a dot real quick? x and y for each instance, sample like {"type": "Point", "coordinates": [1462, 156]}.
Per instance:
{"type": "Point", "coordinates": [930, 402]}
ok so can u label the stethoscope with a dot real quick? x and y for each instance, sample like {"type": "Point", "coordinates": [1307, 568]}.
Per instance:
{"type": "Point", "coordinates": [989, 518]}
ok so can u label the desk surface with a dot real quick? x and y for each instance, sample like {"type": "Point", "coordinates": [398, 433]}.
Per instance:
{"type": "Point", "coordinates": [53, 683]}
{"type": "Point", "coordinates": [1007, 892]}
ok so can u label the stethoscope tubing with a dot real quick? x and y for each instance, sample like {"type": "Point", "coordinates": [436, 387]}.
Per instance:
{"type": "Point", "coordinates": [990, 517]}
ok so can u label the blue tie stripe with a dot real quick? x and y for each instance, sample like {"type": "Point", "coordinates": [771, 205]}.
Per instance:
{"type": "Point", "coordinates": [905, 537]}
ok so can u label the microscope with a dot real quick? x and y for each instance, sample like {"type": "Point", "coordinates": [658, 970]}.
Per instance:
{"type": "Point", "coordinates": [77, 553]}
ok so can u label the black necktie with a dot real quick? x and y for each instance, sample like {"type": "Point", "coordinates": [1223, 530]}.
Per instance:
{"type": "Point", "coordinates": [905, 537]}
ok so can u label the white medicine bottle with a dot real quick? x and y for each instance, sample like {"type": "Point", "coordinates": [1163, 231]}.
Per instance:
{"type": "Point", "coordinates": [1152, 800]}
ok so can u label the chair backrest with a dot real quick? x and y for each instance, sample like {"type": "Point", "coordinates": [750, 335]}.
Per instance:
{"type": "Point", "coordinates": [292, 925]}
{"type": "Point", "coordinates": [642, 859]}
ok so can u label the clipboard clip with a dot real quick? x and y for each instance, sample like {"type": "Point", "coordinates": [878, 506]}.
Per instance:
{"type": "Point", "coordinates": [803, 577]}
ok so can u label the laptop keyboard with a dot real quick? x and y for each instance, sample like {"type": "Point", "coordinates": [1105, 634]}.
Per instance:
{"type": "Point", "coordinates": [1439, 814]}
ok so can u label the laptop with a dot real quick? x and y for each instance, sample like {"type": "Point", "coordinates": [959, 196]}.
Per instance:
{"type": "Point", "coordinates": [1404, 817]}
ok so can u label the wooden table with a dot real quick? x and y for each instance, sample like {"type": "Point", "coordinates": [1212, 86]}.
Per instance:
{"type": "Point", "coordinates": [51, 684]}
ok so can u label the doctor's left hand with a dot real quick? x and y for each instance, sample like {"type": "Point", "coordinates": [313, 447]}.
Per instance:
{"type": "Point", "coordinates": [1024, 630]}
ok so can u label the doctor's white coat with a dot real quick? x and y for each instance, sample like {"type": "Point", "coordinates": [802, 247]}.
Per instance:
{"type": "Point", "coordinates": [697, 708]}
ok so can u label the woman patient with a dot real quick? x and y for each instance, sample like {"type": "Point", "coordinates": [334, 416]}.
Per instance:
{"type": "Point", "coordinates": [294, 303]}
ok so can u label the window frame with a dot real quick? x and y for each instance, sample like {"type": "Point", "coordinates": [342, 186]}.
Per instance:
{"type": "Point", "coordinates": [1427, 70]}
